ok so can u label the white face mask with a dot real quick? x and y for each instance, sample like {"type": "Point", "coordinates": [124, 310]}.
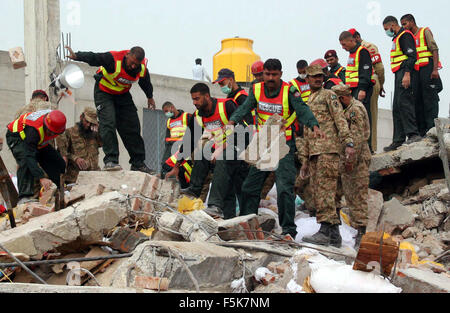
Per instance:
{"type": "Point", "coordinates": [302, 76]}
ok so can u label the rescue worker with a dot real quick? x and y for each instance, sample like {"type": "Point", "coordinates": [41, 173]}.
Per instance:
{"type": "Point", "coordinates": [257, 71]}
{"type": "Point", "coordinates": [429, 82]}
{"type": "Point", "coordinates": [119, 70]}
{"type": "Point", "coordinates": [177, 124]}
{"type": "Point", "coordinates": [333, 62]}
{"type": "Point", "coordinates": [79, 146]}
{"type": "Point", "coordinates": [39, 101]}
{"type": "Point", "coordinates": [378, 89]}
{"type": "Point", "coordinates": [207, 124]}
{"type": "Point", "coordinates": [403, 60]}
{"type": "Point", "coordinates": [274, 96]}
{"type": "Point", "coordinates": [359, 74]}
{"type": "Point", "coordinates": [320, 157]}
{"type": "Point", "coordinates": [300, 83]}
{"type": "Point", "coordinates": [330, 79]}
{"type": "Point", "coordinates": [28, 137]}
{"type": "Point", "coordinates": [355, 172]}
{"type": "Point", "coordinates": [230, 88]}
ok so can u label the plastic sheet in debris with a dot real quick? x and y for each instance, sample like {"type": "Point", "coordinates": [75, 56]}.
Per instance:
{"type": "Point", "coordinates": [329, 276]}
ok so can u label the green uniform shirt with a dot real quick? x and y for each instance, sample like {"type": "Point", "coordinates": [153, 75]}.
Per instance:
{"type": "Point", "coordinates": [304, 114]}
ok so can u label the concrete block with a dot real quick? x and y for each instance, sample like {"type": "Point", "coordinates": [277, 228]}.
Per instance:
{"type": "Point", "coordinates": [395, 216]}
{"type": "Point", "coordinates": [17, 57]}
{"type": "Point", "coordinates": [210, 264]}
{"type": "Point", "coordinates": [85, 221]}
{"type": "Point", "coordinates": [126, 182]}
{"type": "Point", "coordinates": [198, 226]}
{"type": "Point", "coordinates": [375, 202]}
{"type": "Point", "coordinates": [171, 221]}
{"type": "Point", "coordinates": [414, 280]}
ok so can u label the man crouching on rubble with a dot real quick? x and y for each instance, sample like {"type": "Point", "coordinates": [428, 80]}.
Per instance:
{"type": "Point", "coordinates": [28, 137]}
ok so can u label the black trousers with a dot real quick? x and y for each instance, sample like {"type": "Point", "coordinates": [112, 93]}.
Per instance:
{"type": "Point", "coordinates": [48, 158]}
{"type": "Point", "coordinates": [404, 110]}
{"type": "Point", "coordinates": [118, 113]}
{"type": "Point", "coordinates": [427, 98]}
{"type": "Point", "coordinates": [366, 103]}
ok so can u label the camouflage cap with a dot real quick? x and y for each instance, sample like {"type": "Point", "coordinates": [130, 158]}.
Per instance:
{"type": "Point", "coordinates": [342, 90]}
{"type": "Point", "coordinates": [90, 115]}
{"type": "Point", "coordinates": [314, 70]}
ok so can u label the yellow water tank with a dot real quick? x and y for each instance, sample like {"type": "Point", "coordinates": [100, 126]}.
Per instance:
{"type": "Point", "coordinates": [237, 55]}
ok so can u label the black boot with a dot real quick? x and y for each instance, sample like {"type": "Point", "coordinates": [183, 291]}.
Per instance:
{"type": "Point", "coordinates": [335, 236]}
{"type": "Point", "coordinates": [361, 233]}
{"type": "Point", "coordinates": [338, 212]}
{"type": "Point", "coordinates": [322, 237]}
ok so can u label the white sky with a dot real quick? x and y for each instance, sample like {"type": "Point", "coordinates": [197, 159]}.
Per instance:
{"type": "Point", "coordinates": [175, 32]}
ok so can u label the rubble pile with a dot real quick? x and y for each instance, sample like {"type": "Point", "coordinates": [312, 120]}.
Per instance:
{"type": "Point", "coordinates": [134, 232]}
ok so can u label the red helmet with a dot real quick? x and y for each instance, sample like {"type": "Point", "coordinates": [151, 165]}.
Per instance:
{"type": "Point", "coordinates": [257, 67]}
{"type": "Point", "coordinates": [321, 62]}
{"type": "Point", "coordinates": [55, 121]}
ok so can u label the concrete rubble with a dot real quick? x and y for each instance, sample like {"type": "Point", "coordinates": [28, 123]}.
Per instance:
{"type": "Point", "coordinates": [163, 248]}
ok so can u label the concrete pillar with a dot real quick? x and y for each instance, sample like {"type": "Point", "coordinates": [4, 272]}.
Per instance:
{"type": "Point", "coordinates": [42, 37]}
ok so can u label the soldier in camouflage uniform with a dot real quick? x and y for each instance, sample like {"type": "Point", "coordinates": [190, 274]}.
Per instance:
{"type": "Point", "coordinates": [355, 172]}
{"type": "Point", "coordinates": [302, 186]}
{"type": "Point", "coordinates": [39, 101]}
{"type": "Point", "coordinates": [321, 157]}
{"type": "Point", "coordinates": [79, 146]}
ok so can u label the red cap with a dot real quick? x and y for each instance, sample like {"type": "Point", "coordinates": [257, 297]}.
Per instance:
{"type": "Point", "coordinates": [257, 67]}
{"type": "Point", "coordinates": [55, 121]}
{"type": "Point", "coordinates": [352, 31]}
{"type": "Point", "coordinates": [2, 209]}
{"type": "Point", "coordinates": [40, 93]}
{"type": "Point", "coordinates": [330, 53]}
{"type": "Point", "coordinates": [321, 62]}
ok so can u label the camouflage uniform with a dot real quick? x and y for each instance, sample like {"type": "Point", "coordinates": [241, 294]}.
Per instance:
{"type": "Point", "coordinates": [34, 106]}
{"type": "Point", "coordinates": [355, 184]}
{"type": "Point", "coordinates": [302, 186]}
{"type": "Point", "coordinates": [323, 154]}
{"type": "Point", "coordinates": [74, 144]}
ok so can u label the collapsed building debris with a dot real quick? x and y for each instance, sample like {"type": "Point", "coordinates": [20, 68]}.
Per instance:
{"type": "Point", "coordinates": [133, 232]}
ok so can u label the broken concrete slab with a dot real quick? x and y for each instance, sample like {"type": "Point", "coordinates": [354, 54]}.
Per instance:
{"type": "Point", "coordinates": [430, 191]}
{"type": "Point", "coordinates": [126, 182]}
{"type": "Point", "coordinates": [203, 260]}
{"type": "Point", "coordinates": [418, 151]}
{"type": "Point", "coordinates": [414, 280]}
{"type": "Point", "coordinates": [52, 289]}
{"type": "Point", "coordinates": [395, 216]}
{"type": "Point", "coordinates": [85, 221]}
{"type": "Point", "coordinates": [198, 226]}
{"type": "Point", "coordinates": [375, 202]}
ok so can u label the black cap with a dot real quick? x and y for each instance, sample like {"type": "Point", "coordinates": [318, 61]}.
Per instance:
{"type": "Point", "coordinates": [224, 74]}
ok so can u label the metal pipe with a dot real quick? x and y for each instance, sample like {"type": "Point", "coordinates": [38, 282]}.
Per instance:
{"type": "Point", "coordinates": [36, 277]}
{"type": "Point", "coordinates": [65, 261]}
